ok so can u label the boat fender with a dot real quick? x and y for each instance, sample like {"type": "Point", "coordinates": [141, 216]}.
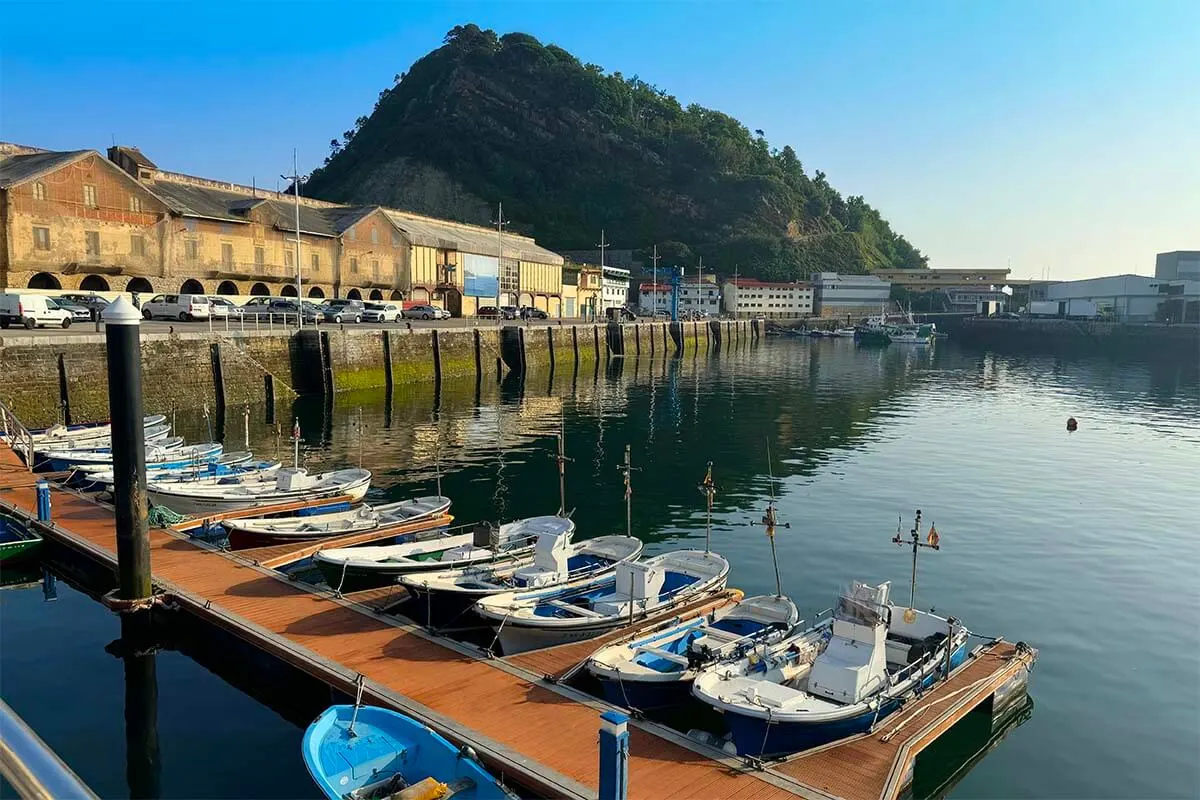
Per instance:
{"type": "Point", "coordinates": [468, 752]}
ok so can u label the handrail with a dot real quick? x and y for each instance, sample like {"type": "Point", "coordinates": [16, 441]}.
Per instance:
{"type": "Point", "coordinates": [16, 434]}
{"type": "Point", "coordinates": [33, 769]}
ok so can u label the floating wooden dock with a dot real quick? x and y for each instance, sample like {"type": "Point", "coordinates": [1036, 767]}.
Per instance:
{"type": "Point", "coordinates": [532, 730]}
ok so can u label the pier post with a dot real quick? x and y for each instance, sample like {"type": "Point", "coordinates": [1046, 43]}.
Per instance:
{"type": "Point", "coordinates": [614, 755]}
{"type": "Point", "coordinates": [43, 501]}
{"type": "Point", "coordinates": [122, 334]}
{"type": "Point", "coordinates": [64, 395]}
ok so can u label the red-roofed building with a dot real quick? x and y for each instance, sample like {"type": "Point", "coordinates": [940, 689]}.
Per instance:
{"type": "Point", "coordinates": [750, 297]}
{"type": "Point", "coordinates": [696, 295]}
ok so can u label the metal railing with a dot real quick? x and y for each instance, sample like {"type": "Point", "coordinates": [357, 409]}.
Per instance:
{"type": "Point", "coordinates": [16, 435]}
{"type": "Point", "coordinates": [33, 769]}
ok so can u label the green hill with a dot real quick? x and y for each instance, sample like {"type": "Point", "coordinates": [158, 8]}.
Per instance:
{"type": "Point", "coordinates": [570, 149]}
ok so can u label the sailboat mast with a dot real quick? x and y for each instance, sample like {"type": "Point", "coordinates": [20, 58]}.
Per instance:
{"type": "Point", "coordinates": [628, 495]}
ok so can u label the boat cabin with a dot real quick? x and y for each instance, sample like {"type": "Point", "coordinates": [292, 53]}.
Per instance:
{"type": "Point", "coordinates": [551, 555]}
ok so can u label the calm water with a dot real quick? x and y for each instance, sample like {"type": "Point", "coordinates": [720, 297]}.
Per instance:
{"type": "Point", "coordinates": [1083, 544]}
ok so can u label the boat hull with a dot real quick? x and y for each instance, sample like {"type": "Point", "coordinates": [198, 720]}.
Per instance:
{"type": "Point", "coordinates": [647, 696]}
{"type": "Point", "coordinates": [756, 736]}
{"type": "Point", "coordinates": [196, 505]}
{"type": "Point", "coordinates": [353, 578]}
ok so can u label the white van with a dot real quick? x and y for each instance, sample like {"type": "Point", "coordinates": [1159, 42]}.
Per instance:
{"type": "Point", "coordinates": [32, 311]}
{"type": "Point", "coordinates": [177, 306]}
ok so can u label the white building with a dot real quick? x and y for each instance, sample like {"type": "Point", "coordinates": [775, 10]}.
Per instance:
{"type": "Point", "coordinates": [614, 288]}
{"type": "Point", "coordinates": [697, 294]}
{"type": "Point", "coordinates": [1129, 298]}
{"type": "Point", "coordinates": [748, 297]}
{"type": "Point", "coordinates": [849, 295]}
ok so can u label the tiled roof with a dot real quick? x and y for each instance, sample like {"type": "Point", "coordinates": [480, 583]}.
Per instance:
{"type": "Point", "coordinates": [755, 283]}
{"type": "Point", "coordinates": [468, 238]}
{"type": "Point", "coordinates": [20, 168]}
{"type": "Point", "coordinates": [189, 200]}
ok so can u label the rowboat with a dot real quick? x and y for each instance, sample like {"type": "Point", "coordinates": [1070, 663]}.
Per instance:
{"type": "Point", "coordinates": [168, 454]}
{"type": "Point", "coordinates": [78, 434]}
{"type": "Point", "coordinates": [555, 561]}
{"type": "Point", "coordinates": [528, 620]}
{"type": "Point", "coordinates": [288, 483]}
{"type": "Point", "coordinates": [834, 680]}
{"type": "Point", "coordinates": [151, 435]}
{"type": "Point", "coordinates": [352, 568]}
{"type": "Point", "coordinates": [17, 541]}
{"type": "Point", "coordinates": [656, 670]}
{"type": "Point", "coordinates": [360, 752]}
{"type": "Point", "coordinates": [100, 477]}
{"type": "Point", "coordinates": [262, 531]}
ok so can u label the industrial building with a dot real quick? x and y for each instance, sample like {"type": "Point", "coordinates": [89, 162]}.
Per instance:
{"type": "Point", "coordinates": [1179, 265]}
{"type": "Point", "coordinates": [1127, 298]}
{"type": "Point", "coordinates": [980, 291]}
{"type": "Point", "coordinates": [837, 295]}
{"type": "Point", "coordinates": [749, 297]}
{"type": "Point", "coordinates": [697, 294]}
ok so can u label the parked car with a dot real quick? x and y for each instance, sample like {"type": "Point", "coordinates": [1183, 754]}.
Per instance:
{"type": "Point", "coordinates": [510, 312]}
{"type": "Point", "coordinates": [283, 310]}
{"type": "Point", "coordinates": [221, 308]}
{"type": "Point", "coordinates": [528, 312]}
{"type": "Point", "coordinates": [177, 306]}
{"type": "Point", "coordinates": [78, 313]}
{"type": "Point", "coordinates": [662, 315]}
{"type": "Point", "coordinates": [93, 303]}
{"type": "Point", "coordinates": [426, 312]}
{"type": "Point", "coordinates": [32, 311]}
{"type": "Point", "coordinates": [619, 314]}
{"type": "Point", "coordinates": [382, 312]}
{"type": "Point", "coordinates": [1005, 315]}
{"type": "Point", "coordinates": [487, 312]}
{"type": "Point", "coordinates": [343, 310]}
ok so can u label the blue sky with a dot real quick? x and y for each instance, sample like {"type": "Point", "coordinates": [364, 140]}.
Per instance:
{"type": "Point", "coordinates": [1057, 135]}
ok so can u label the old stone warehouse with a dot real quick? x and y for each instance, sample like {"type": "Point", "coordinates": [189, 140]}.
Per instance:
{"type": "Point", "coordinates": [78, 220]}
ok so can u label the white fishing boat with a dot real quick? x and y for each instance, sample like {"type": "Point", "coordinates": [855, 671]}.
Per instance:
{"type": "Point", "coordinates": [262, 531]}
{"type": "Point", "coordinates": [834, 680]}
{"type": "Point", "coordinates": [151, 435]}
{"type": "Point", "coordinates": [351, 568]}
{"type": "Point", "coordinates": [844, 333]}
{"type": "Point", "coordinates": [199, 498]}
{"type": "Point", "coordinates": [76, 435]}
{"type": "Point", "coordinates": [167, 452]}
{"type": "Point", "coordinates": [99, 477]}
{"type": "Point", "coordinates": [556, 561]}
{"type": "Point", "coordinates": [656, 670]}
{"type": "Point", "coordinates": [528, 620]}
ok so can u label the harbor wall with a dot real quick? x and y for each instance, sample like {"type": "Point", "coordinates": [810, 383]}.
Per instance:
{"type": "Point", "coordinates": [1180, 341]}
{"type": "Point", "coordinates": [60, 378]}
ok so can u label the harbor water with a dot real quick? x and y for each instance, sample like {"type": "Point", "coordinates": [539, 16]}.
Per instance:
{"type": "Point", "coordinates": [1082, 544]}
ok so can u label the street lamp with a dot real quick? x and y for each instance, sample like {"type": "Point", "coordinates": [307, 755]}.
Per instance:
{"type": "Point", "coordinates": [296, 178]}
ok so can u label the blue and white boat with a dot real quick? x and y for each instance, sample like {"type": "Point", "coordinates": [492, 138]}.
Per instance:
{"type": "Point", "coordinates": [155, 434]}
{"type": "Point", "coordinates": [360, 752]}
{"type": "Point", "coordinates": [168, 454]}
{"type": "Point", "coordinates": [656, 669]}
{"type": "Point", "coordinates": [99, 477]}
{"type": "Point", "coordinates": [834, 680]}
{"type": "Point", "coordinates": [77, 435]}
{"type": "Point", "coordinates": [556, 561]}
{"type": "Point", "coordinates": [528, 620]}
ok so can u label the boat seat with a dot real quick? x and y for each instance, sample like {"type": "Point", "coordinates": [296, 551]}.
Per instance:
{"type": "Point", "coordinates": [674, 658]}
{"type": "Point", "coordinates": [580, 610]}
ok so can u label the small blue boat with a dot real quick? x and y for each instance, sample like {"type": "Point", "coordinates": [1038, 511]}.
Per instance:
{"type": "Point", "coordinates": [358, 752]}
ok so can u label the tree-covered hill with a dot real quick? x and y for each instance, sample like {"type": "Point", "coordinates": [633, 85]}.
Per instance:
{"type": "Point", "coordinates": [570, 149]}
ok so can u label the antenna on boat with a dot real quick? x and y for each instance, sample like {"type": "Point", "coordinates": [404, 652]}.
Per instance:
{"type": "Point", "coordinates": [246, 424]}
{"type": "Point", "coordinates": [627, 470]}
{"type": "Point", "coordinates": [208, 419]}
{"type": "Point", "coordinates": [770, 521]}
{"type": "Point", "coordinates": [709, 490]}
{"type": "Point", "coordinates": [562, 460]}
{"type": "Point", "coordinates": [296, 442]}
{"type": "Point", "coordinates": [437, 466]}
{"type": "Point", "coordinates": [360, 437]}
{"type": "Point", "coordinates": [910, 614]}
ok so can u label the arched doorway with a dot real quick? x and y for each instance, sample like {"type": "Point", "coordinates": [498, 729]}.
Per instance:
{"type": "Point", "coordinates": [526, 300]}
{"type": "Point", "coordinates": [260, 290]}
{"type": "Point", "coordinates": [453, 303]}
{"type": "Point", "coordinates": [227, 287]}
{"type": "Point", "coordinates": [397, 294]}
{"type": "Point", "coordinates": [93, 283]}
{"type": "Point", "coordinates": [354, 294]}
{"type": "Point", "coordinates": [44, 280]}
{"type": "Point", "coordinates": [376, 294]}
{"type": "Point", "coordinates": [139, 285]}
{"type": "Point", "coordinates": [289, 290]}
{"type": "Point", "coordinates": [316, 292]}
{"type": "Point", "coordinates": [191, 286]}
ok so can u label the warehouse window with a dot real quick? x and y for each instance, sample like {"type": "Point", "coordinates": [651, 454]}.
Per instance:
{"type": "Point", "coordinates": [289, 257]}
{"type": "Point", "coordinates": [316, 261]}
{"type": "Point", "coordinates": [41, 238]}
{"type": "Point", "coordinates": [260, 256]}
{"type": "Point", "coordinates": [89, 196]}
{"type": "Point", "coordinates": [92, 243]}
{"type": "Point", "coordinates": [191, 249]}
{"type": "Point", "coordinates": [137, 245]}
{"type": "Point", "coordinates": [135, 204]}
{"type": "Point", "coordinates": [227, 254]}
{"type": "Point", "coordinates": [39, 190]}
{"type": "Point", "coordinates": [354, 265]}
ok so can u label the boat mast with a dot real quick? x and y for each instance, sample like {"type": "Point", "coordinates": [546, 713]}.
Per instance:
{"type": "Point", "coordinates": [562, 465]}
{"type": "Point", "coordinates": [770, 521]}
{"type": "Point", "coordinates": [915, 540]}
{"type": "Point", "coordinates": [709, 490]}
{"type": "Point", "coordinates": [627, 470]}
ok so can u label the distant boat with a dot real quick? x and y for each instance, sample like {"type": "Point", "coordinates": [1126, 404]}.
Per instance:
{"type": "Point", "coordinates": [167, 454]}
{"type": "Point", "coordinates": [17, 541]}
{"type": "Point", "coordinates": [153, 434]}
{"type": "Point", "coordinates": [77, 434]}
{"type": "Point", "coordinates": [262, 531]}
{"type": "Point", "coordinates": [99, 477]}
{"type": "Point", "coordinates": [844, 333]}
{"type": "Point", "coordinates": [356, 753]}
{"type": "Point", "coordinates": [555, 561]}
{"type": "Point", "coordinates": [543, 618]}
{"type": "Point", "coordinates": [288, 484]}
{"type": "Point", "coordinates": [352, 568]}
{"type": "Point", "coordinates": [656, 670]}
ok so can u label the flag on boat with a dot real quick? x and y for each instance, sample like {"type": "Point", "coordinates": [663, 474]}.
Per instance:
{"type": "Point", "coordinates": [296, 430]}
{"type": "Point", "coordinates": [933, 536]}
{"type": "Point", "coordinates": [707, 486]}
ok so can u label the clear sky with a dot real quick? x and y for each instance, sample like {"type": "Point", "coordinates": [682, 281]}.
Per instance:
{"type": "Point", "coordinates": [1058, 135]}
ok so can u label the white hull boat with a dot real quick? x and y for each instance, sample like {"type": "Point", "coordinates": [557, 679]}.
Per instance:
{"type": "Point", "coordinates": [556, 561]}
{"type": "Point", "coordinates": [155, 434]}
{"type": "Point", "coordinates": [198, 499]}
{"type": "Point", "coordinates": [350, 568]}
{"type": "Point", "coordinates": [167, 453]}
{"type": "Point", "coordinates": [530, 620]}
{"type": "Point", "coordinates": [656, 670]}
{"type": "Point", "coordinates": [228, 465]}
{"type": "Point", "coordinates": [75, 436]}
{"type": "Point", "coordinates": [262, 531]}
{"type": "Point", "coordinates": [835, 680]}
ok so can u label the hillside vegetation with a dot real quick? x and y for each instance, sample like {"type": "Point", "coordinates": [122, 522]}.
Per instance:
{"type": "Point", "coordinates": [570, 149]}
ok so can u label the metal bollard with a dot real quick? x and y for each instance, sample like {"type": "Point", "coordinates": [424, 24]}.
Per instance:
{"type": "Point", "coordinates": [614, 755]}
{"type": "Point", "coordinates": [43, 501]}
